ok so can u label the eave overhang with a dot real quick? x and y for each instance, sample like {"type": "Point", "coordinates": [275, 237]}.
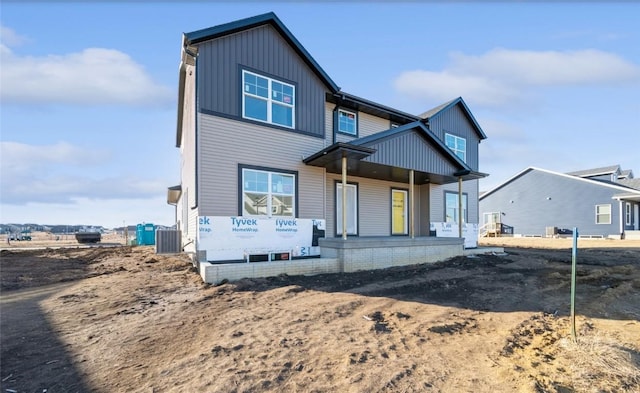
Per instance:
{"type": "Point", "coordinates": [334, 153]}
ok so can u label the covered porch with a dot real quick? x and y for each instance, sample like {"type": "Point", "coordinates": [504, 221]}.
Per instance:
{"type": "Point", "coordinates": [408, 155]}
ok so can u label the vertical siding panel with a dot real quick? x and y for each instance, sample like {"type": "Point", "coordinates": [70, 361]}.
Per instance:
{"type": "Point", "coordinates": [454, 121]}
{"type": "Point", "coordinates": [264, 50]}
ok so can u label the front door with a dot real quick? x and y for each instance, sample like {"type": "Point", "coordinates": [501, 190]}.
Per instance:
{"type": "Point", "coordinates": [399, 224]}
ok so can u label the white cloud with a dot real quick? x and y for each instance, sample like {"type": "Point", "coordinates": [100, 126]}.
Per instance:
{"type": "Point", "coordinates": [61, 173]}
{"type": "Point", "coordinates": [10, 38]}
{"type": "Point", "coordinates": [544, 68]}
{"type": "Point", "coordinates": [503, 76]}
{"type": "Point", "coordinates": [84, 211]}
{"type": "Point", "coordinates": [94, 76]}
{"type": "Point", "coordinates": [445, 85]}
{"type": "Point", "coordinates": [22, 159]}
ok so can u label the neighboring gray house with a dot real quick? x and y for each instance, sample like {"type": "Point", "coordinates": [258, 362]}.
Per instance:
{"type": "Point", "coordinates": [535, 201]}
{"type": "Point", "coordinates": [265, 134]}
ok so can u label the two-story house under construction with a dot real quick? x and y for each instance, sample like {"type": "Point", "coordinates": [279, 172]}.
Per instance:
{"type": "Point", "coordinates": [280, 166]}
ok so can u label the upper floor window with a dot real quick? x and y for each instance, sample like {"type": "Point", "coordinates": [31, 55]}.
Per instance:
{"type": "Point", "coordinates": [268, 193]}
{"type": "Point", "coordinates": [347, 122]}
{"type": "Point", "coordinates": [268, 100]}
{"type": "Point", "coordinates": [603, 214]}
{"type": "Point", "coordinates": [457, 145]}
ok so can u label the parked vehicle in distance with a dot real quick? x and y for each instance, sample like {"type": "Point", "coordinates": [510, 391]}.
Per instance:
{"type": "Point", "coordinates": [88, 237]}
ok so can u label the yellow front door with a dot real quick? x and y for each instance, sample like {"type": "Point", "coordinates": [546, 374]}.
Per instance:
{"type": "Point", "coordinates": [399, 212]}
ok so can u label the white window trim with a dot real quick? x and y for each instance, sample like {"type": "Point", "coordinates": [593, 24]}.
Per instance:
{"type": "Point", "coordinates": [269, 194]}
{"type": "Point", "coordinates": [600, 214]}
{"type": "Point", "coordinates": [456, 151]}
{"type": "Point", "coordinates": [627, 214]}
{"type": "Point", "coordinates": [269, 100]}
{"type": "Point", "coordinates": [355, 122]}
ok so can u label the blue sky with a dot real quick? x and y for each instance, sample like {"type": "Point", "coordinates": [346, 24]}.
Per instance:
{"type": "Point", "coordinates": [88, 90]}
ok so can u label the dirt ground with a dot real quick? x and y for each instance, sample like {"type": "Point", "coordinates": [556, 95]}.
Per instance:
{"type": "Point", "coordinates": [123, 319]}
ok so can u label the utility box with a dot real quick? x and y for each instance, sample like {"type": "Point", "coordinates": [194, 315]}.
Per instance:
{"type": "Point", "coordinates": [168, 241]}
{"type": "Point", "coordinates": [146, 234]}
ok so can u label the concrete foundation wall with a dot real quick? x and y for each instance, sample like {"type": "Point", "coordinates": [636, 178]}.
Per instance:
{"type": "Point", "coordinates": [343, 256]}
{"type": "Point", "coordinates": [216, 273]}
{"type": "Point", "coordinates": [380, 253]}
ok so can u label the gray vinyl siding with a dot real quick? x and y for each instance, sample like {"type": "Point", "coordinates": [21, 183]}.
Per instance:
{"type": "Point", "coordinates": [367, 124]}
{"type": "Point", "coordinates": [455, 122]}
{"type": "Point", "coordinates": [260, 49]}
{"type": "Point", "coordinates": [469, 187]}
{"type": "Point", "coordinates": [410, 151]}
{"type": "Point", "coordinates": [374, 205]}
{"type": "Point", "coordinates": [572, 204]}
{"type": "Point", "coordinates": [225, 143]}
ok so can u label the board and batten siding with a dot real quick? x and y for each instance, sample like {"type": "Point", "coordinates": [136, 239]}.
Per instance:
{"type": "Point", "coordinates": [225, 143]}
{"type": "Point", "coordinates": [455, 122]}
{"type": "Point", "coordinates": [262, 50]}
{"type": "Point", "coordinates": [469, 187]}
{"type": "Point", "coordinates": [542, 200]}
{"type": "Point", "coordinates": [410, 151]}
{"type": "Point", "coordinates": [374, 205]}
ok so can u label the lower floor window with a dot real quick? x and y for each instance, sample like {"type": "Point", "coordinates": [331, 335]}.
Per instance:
{"type": "Point", "coordinates": [268, 193]}
{"type": "Point", "coordinates": [603, 214]}
{"type": "Point", "coordinates": [452, 207]}
{"type": "Point", "coordinates": [627, 214]}
{"type": "Point", "coordinates": [351, 210]}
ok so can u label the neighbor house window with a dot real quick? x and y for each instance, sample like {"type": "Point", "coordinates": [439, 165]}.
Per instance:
{"type": "Point", "coordinates": [452, 207]}
{"type": "Point", "coordinates": [267, 193]}
{"type": "Point", "coordinates": [457, 145]}
{"type": "Point", "coordinates": [603, 214]}
{"type": "Point", "coordinates": [347, 122]}
{"type": "Point", "coordinates": [268, 100]}
{"type": "Point", "coordinates": [627, 214]}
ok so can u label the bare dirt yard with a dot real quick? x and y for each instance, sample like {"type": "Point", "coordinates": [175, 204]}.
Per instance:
{"type": "Point", "coordinates": [123, 319]}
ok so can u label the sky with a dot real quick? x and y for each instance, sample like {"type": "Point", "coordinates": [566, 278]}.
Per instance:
{"type": "Point", "coordinates": [88, 90]}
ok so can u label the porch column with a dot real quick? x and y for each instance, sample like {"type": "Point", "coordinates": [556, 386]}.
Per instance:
{"type": "Point", "coordinates": [460, 207]}
{"type": "Point", "coordinates": [411, 205]}
{"type": "Point", "coordinates": [344, 198]}
{"type": "Point", "coordinates": [622, 217]}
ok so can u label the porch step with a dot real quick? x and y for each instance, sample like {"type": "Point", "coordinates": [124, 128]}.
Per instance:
{"type": "Point", "coordinates": [632, 235]}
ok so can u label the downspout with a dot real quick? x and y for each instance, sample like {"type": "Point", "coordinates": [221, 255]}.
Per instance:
{"type": "Point", "coordinates": [621, 219]}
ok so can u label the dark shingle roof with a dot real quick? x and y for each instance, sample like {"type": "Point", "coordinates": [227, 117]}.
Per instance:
{"type": "Point", "coordinates": [596, 171]}
{"type": "Point", "coordinates": [631, 183]}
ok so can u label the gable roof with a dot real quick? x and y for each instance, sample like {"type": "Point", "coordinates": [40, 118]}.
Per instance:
{"type": "Point", "coordinates": [440, 109]}
{"type": "Point", "coordinates": [270, 18]}
{"type": "Point", "coordinates": [625, 174]}
{"type": "Point", "coordinates": [605, 170]}
{"type": "Point", "coordinates": [616, 186]}
{"type": "Point", "coordinates": [391, 164]}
